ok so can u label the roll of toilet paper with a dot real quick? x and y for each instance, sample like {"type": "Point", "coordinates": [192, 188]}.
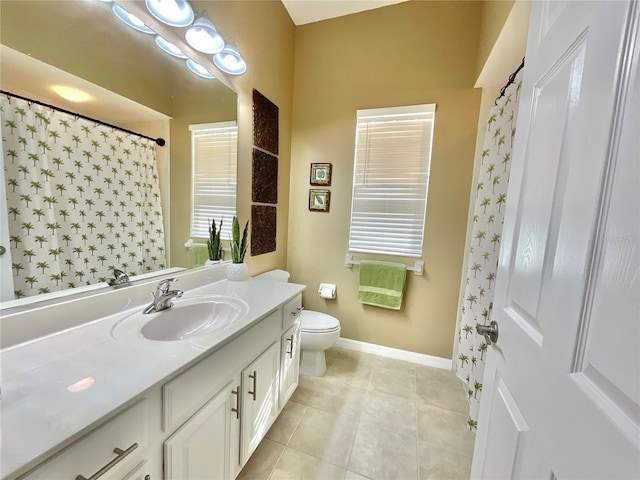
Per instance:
{"type": "Point", "coordinates": [327, 290]}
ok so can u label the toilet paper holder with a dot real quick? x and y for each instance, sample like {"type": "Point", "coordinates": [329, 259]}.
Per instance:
{"type": "Point", "coordinates": [327, 290]}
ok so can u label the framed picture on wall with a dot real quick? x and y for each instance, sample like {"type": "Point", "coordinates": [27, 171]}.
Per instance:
{"type": "Point", "coordinates": [319, 200]}
{"type": "Point", "coordinates": [320, 174]}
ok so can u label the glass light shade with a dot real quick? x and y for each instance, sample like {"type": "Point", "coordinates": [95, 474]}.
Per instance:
{"type": "Point", "coordinates": [169, 48]}
{"type": "Point", "coordinates": [177, 13]}
{"type": "Point", "coordinates": [230, 61]}
{"type": "Point", "coordinates": [130, 20]}
{"type": "Point", "coordinates": [199, 70]}
{"type": "Point", "coordinates": [204, 37]}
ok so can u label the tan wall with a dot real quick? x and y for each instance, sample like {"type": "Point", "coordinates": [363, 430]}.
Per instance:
{"type": "Point", "coordinates": [264, 33]}
{"type": "Point", "coordinates": [411, 53]}
{"type": "Point", "coordinates": [494, 14]}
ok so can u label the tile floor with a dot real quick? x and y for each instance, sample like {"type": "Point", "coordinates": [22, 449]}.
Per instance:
{"type": "Point", "coordinates": [369, 417]}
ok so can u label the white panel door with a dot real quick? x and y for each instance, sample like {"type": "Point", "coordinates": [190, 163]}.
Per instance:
{"type": "Point", "coordinates": [259, 399]}
{"type": "Point", "coordinates": [203, 448]}
{"type": "Point", "coordinates": [289, 363]}
{"type": "Point", "coordinates": [561, 390]}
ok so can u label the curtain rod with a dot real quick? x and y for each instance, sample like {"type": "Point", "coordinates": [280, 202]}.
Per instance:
{"type": "Point", "coordinates": [160, 141]}
{"type": "Point", "coordinates": [512, 78]}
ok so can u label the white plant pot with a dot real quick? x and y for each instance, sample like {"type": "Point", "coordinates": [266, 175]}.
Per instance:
{"type": "Point", "coordinates": [212, 262]}
{"type": "Point", "coordinates": [237, 272]}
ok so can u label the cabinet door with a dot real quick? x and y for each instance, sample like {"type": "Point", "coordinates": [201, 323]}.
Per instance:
{"type": "Point", "coordinates": [259, 398]}
{"type": "Point", "coordinates": [289, 362]}
{"type": "Point", "coordinates": [203, 447]}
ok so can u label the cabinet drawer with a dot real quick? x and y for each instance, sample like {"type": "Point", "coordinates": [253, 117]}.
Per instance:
{"type": "Point", "coordinates": [291, 311]}
{"type": "Point", "coordinates": [119, 443]}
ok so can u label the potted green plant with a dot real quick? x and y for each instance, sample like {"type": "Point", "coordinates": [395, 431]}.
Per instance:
{"type": "Point", "coordinates": [214, 243]}
{"type": "Point", "coordinates": [238, 270]}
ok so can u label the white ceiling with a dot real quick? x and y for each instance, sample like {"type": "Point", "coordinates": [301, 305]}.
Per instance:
{"type": "Point", "coordinates": [309, 11]}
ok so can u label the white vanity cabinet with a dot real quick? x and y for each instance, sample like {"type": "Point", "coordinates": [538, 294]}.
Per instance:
{"type": "Point", "coordinates": [206, 446]}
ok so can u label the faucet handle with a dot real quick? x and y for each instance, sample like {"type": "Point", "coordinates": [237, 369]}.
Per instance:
{"type": "Point", "coordinates": [165, 284]}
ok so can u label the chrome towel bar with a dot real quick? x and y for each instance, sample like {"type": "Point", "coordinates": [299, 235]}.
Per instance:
{"type": "Point", "coordinates": [417, 269]}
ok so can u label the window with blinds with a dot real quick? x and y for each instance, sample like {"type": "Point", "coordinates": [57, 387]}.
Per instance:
{"type": "Point", "coordinates": [214, 150]}
{"type": "Point", "coordinates": [390, 180]}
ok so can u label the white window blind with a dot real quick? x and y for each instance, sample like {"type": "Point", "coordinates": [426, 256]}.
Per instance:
{"type": "Point", "coordinates": [214, 149]}
{"type": "Point", "coordinates": [390, 180]}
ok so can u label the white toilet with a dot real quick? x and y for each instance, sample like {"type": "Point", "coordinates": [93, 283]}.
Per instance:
{"type": "Point", "coordinates": [318, 332]}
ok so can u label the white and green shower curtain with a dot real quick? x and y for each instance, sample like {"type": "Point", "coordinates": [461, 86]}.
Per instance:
{"type": "Point", "coordinates": [82, 199]}
{"type": "Point", "coordinates": [482, 263]}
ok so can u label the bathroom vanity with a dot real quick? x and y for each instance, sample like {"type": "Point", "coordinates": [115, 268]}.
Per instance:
{"type": "Point", "coordinates": [93, 401]}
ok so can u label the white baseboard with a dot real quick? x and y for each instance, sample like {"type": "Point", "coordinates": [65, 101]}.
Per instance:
{"type": "Point", "coordinates": [420, 358]}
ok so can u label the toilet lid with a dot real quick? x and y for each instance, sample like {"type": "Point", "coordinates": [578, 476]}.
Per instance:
{"type": "Point", "coordinates": [311, 322]}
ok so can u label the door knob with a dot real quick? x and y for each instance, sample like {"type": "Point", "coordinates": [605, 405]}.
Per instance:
{"type": "Point", "coordinates": [2, 250]}
{"type": "Point", "coordinates": [490, 332]}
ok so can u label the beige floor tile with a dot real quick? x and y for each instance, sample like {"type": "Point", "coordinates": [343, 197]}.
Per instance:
{"type": "Point", "coordinates": [394, 382]}
{"type": "Point", "coordinates": [349, 370]}
{"type": "Point", "coordinates": [262, 462]}
{"type": "Point", "coordinates": [394, 364]}
{"type": "Point", "coordinates": [305, 391]}
{"type": "Point", "coordinates": [339, 398]}
{"type": "Point", "coordinates": [445, 429]}
{"type": "Point", "coordinates": [325, 436]}
{"type": "Point", "coordinates": [294, 465]}
{"type": "Point", "coordinates": [286, 423]}
{"type": "Point", "coordinates": [354, 476]}
{"type": "Point", "coordinates": [437, 463]}
{"type": "Point", "coordinates": [382, 455]}
{"type": "Point", "coordinates": [444, 391]}
{"type": "Point", "coordinates": [391, 413]}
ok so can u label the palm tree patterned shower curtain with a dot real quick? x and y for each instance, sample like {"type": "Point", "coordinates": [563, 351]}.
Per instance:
{"type": "Point", "coordinates": [82, 199]}
{"type": "Point", "coordinates": [482, 263]}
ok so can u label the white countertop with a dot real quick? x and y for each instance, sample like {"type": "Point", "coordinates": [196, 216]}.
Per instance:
{"type": "Point", "coordinates": [39, 414]}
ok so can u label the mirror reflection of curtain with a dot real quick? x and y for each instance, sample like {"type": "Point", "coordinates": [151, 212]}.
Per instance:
{"type": "Point", "coordinates": [482, 263]}
{"type": "Point", "coordinates": [82, 198]}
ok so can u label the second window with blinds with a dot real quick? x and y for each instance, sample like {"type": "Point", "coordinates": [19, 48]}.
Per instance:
{"type": "Point", "coordinates": [214, 155]}
{"type": "Point", "coordinates": [391, 180]}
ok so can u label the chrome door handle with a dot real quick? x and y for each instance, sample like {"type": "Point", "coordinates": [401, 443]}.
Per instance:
{"type": "Point", "coordinates": [490, 332]}
{"type": "Point", "coordinates": [2, 250]}
{"type": "Point", "coordinates": [237, 409]}
{"type": "Point", "coordinates": [254, 377]}
{"type": "Point", "coordinates": [290, 341]}
{"type": "Point", "coordinates": [120, 455]}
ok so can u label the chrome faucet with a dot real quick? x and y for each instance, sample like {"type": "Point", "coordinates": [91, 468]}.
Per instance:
{"type": "Point", "coordinates": [120, 279]}
{"type": "Point", "coordinates": [163, 296]}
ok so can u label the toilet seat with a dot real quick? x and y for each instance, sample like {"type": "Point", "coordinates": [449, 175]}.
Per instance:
{"type": "Point", "coordinates": [317, 322]}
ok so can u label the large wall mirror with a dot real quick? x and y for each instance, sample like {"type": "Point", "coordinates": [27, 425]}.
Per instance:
{"type": "Point", "coordinates": [130, 84]}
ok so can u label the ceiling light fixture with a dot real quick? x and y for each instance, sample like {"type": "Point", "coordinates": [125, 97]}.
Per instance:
{"type": "Point", "coordinates": [229, 60]}
{"type": "Point", "coordinates": [177, 13]}
{"type": "Point", "coordinates": [169, 48]}
{"type": "Point", "coordinates": [204, 37]}
{"type": "Point", "coordinates": [199, 70]}
{"type": "Point", "coordinates": [129, 19]}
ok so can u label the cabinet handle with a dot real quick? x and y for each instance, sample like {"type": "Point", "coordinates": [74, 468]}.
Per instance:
{"type": "Point", "coordinates": [237, 409]}
{"type": "Point", "coordinates": [297, 312]}
{"type": "Point", "coordinates": [254, 377]}
{"type": "Point", "coordinates": [121, 454]}
{"type": "Point", "coordinates": [290, 352]}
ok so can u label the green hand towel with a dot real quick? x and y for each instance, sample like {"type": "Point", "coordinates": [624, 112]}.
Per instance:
{"type": "Point", "coordinates": [199, 254]}
{"type": "Point", "coordinates": [382, 283]}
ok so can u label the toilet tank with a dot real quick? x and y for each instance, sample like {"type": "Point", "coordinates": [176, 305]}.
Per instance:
{"type": "Point", "coordinates": [278, 275]}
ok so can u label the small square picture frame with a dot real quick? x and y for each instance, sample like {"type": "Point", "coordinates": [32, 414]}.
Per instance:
{"type": "Point", "coordinates": [320, 174]}
{"type": "Point", "coordinates": [319, 200]}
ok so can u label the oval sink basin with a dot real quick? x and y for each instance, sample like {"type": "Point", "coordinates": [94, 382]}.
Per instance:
{"type": "Point", "coordinates": [188, 318]}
